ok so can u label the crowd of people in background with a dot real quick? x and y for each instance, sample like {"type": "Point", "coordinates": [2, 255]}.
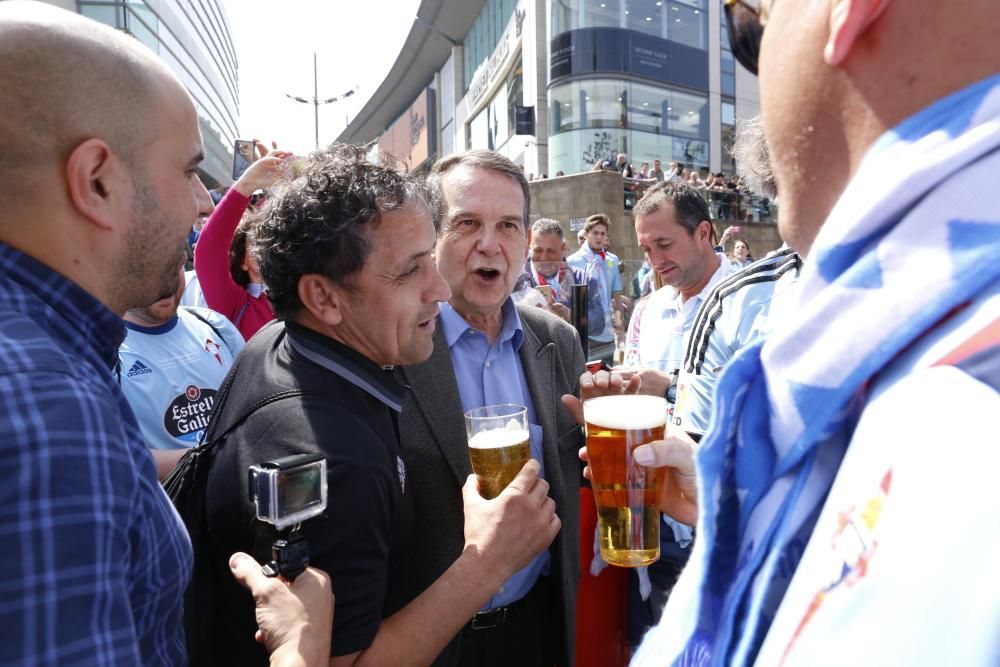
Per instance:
{"type": "Point", "coordinates": [717, 186]}
{"type": "Point", "coordinates": [728, 195]}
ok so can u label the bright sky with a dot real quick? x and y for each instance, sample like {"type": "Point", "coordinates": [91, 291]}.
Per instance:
{"type": "Point", "coordinates": [356, 43]}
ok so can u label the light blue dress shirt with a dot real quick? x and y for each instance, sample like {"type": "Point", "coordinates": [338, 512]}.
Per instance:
{"type": "Point", "coordinates": [582, 260]}
{"type": "Point", "coordinates": [489, 375]}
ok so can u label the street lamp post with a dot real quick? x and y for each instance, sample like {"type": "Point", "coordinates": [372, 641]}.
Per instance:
{"type": "Point", "coordinates": [315, 101]}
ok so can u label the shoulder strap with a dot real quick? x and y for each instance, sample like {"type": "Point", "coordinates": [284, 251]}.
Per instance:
{"type": "Point", "coordinates": [189, 462]}
{"type": "Point", "coordinates": [239, 315]}
{"type": "Point", "coordinates": [218, 332]}
{"type": "Point", "coordinates": [206, 321]}
{"type": "Point", "coordinates": [211, 438]}
{"type": "Point", "coordinates": [223, 394]}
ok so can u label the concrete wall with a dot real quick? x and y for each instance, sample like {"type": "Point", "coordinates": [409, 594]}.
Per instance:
{"type": "Point", "coordinates": [580, 196]}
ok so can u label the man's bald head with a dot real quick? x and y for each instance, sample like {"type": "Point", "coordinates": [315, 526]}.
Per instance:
{"type": "Point", "coordinates": [65, 79]}
{"type": "Point", "coordinates": [835, 76]}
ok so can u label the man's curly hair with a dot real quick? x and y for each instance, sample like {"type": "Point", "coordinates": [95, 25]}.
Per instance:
{"type": "Point", "coordinates": [322, 221]}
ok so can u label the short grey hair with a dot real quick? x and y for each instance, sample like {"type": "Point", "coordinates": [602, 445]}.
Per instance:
{"type": "Point", "coordinates": [547, 226]}
{"type": "Point", "coordinates": [753, 158]}
{"type": "Point", "coordinates": [479, 159]}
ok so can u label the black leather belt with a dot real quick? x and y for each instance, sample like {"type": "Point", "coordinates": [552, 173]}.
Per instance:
{"type": "Point", "coordinates": [494, 618]}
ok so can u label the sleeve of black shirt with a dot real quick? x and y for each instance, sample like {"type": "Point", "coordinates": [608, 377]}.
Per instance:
{"type": "Point", "coordinates": [351, 542]}
{"type": "Point", "coordinates": [352, 539]}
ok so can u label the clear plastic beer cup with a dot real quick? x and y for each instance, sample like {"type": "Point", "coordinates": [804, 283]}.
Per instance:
{"type": "Point", "coordinates": [499, 445]}
{"type": "Point", "coordinates": [627, 494]}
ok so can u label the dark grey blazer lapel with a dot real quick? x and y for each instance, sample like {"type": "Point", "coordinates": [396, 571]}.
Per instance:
{"type": "Point", "coordinates": [435, 392]}
{"type": "Point", "coordinates": [538, 361]}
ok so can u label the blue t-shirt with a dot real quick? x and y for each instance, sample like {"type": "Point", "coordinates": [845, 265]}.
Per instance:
{"type": "Point", "coordinates": [171, 373]}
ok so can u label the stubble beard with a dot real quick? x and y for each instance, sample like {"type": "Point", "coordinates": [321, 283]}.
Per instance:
{"type": "Point", "coordinates": [147, 270]}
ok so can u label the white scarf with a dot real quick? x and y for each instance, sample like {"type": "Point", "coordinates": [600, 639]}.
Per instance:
{"type": "Point", "coordinates": [914, 236]}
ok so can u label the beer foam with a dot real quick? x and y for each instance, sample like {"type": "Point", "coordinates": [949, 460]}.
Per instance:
{"type": "Point", "coordinates": [631, 412]}
{"type": "Point", "coordinates": [498, 437]}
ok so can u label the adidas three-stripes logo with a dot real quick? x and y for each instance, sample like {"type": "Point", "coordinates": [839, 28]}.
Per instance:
{"type": "Point", "coordinates": [138, 368]}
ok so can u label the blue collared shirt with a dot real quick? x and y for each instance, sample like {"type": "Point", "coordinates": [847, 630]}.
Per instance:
{"type": "Point", "coordinates": [488, 375]}
{"type": "Point", "coordinates": [97, 559]}
{"type": "Point", "coordinates": [585, 260]}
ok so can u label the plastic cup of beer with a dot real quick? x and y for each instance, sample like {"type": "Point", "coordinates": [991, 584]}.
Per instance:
{"type": "Point", "coordinates": [499, 445]}
{"type": "Point", "coordinates": [627, 494]}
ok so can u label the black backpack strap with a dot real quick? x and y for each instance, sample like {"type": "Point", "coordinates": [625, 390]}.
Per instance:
{"type": "Point", "coordinates": [221, 336]}
{"type": "Point", "coordinates": [187, 466]}
{"type": "Point", "coordinates": [211, 326]}
{"type": "Point", "coordinates": [264, 402]}
{"type": "Point", "coordinates": [188, 463]}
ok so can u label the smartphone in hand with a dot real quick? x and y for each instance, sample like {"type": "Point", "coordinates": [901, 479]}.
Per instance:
{"type": "Point", "coordinates": [548, 293]}
{"type": "Point", "coordinates": [597, 365]}
{"type": "Point", "coordinates": [243, 157]}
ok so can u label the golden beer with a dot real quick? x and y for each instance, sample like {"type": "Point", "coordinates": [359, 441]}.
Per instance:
{"type": "Point", "coordinates": [627, 494]}
{"type": "Point", "coordinates": [497, 456]}
{"type": "Point", "coordinates": [499, 445]}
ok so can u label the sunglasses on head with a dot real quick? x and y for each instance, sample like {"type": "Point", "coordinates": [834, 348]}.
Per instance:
{"type": "Point", "coordinates": [745, 31]}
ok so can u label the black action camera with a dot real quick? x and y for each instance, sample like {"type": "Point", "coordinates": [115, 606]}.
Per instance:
{"type": "Point", "coordinates": [286, 492]}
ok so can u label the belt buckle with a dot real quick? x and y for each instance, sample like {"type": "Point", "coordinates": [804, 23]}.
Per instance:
{"type": "Point", "coordinates": [479, 621]}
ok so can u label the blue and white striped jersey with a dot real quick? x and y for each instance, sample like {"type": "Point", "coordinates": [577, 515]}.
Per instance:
{"type": "Point", "coordinates": [741, 309]}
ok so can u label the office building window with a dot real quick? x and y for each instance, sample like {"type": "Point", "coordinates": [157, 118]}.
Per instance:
{"type": "Point", "coordinates": [727, 83]}
{"type": "Point", "coordinates": [106, 14]}
{"type": "Point", "coordinates": [495, 124]}
{"type": "Point", "coordinates": [627, 105]}
{"type": "Point", "coordinates": [591, 103]}
{"type": "Point", "coordinates": [728, 135]}
{"type": "Point", "coordinates": [592, 119]}
{"type": "Point", "coordinates": [681, 21]}
{"type": "Point", "coordinates": [485, 35]}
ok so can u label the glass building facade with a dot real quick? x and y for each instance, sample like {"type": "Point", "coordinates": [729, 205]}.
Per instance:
{"type": "Point", "coordinates": [478, 45]}
{"type": "Point", "coordinates": [559, 85]}
{"type": "Point", "coordinates": [193, 39]}
{"type": "Point", "coordinates": [493, 125]}
{"type": "Point", "coordinates": [628, 76]}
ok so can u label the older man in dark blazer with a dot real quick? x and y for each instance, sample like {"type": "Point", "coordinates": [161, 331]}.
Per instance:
{"type": "Point", "coordinates": [488, 351]}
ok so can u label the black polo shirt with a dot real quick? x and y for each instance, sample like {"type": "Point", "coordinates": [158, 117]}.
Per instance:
{"type": "Point", "coordinates": [349, 414]}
